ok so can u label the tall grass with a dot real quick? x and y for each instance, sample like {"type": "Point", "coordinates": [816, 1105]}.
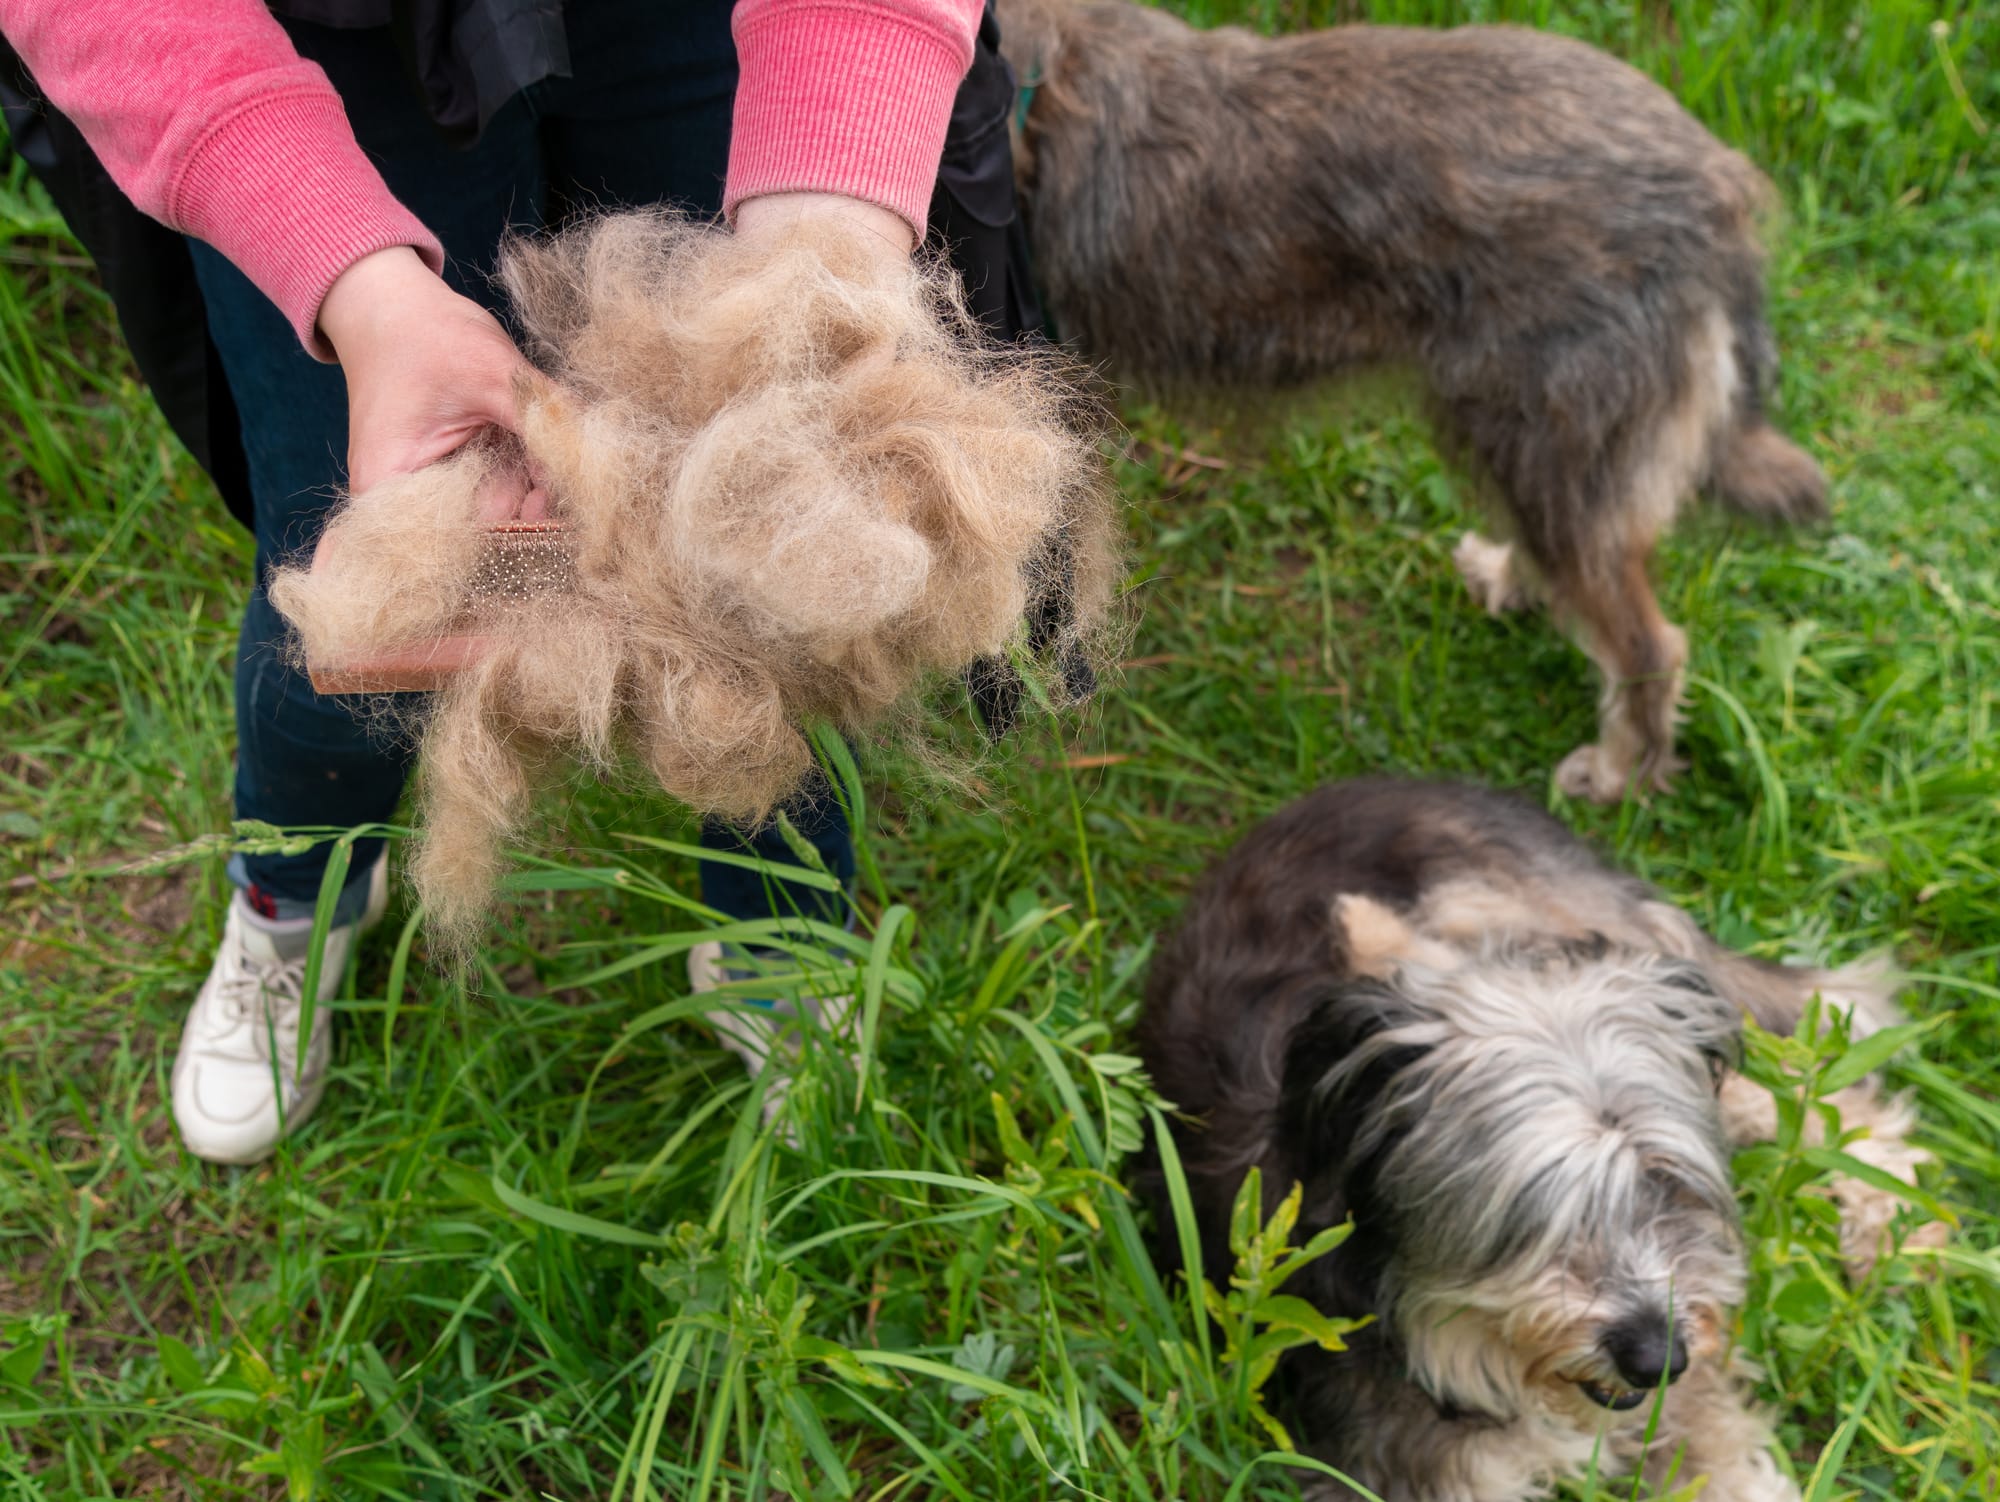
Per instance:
{"type": "Point", "coordinates": [540, 1241]}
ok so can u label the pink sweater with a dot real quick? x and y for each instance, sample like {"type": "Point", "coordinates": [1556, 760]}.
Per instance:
{"type": "Point", "coordinates": [210, 121]}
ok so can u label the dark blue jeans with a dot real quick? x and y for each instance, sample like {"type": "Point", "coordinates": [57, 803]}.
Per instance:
{"type": "Point", "coordinates": [643, 119]}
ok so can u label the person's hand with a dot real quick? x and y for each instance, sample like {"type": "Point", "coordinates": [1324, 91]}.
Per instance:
{"type": "Point", "coordinates": [427, 371]}
{"type": "Point", "coordinates": [773, 213]}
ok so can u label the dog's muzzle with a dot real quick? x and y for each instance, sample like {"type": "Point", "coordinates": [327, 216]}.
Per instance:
{"type": "Point", "coordinates": [1648, 1353]}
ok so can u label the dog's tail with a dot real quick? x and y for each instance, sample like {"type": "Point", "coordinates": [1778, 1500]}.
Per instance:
{"type": "Point", "coordinates": [1761, 473]}
{"type": "Point", "coordinates": [1757, 471]}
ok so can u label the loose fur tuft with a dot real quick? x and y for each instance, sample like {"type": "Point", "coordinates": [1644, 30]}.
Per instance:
{"type": "Point", "coordinates": [795, 485]}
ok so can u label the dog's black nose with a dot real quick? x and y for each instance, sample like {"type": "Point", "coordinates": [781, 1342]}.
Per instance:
{"type": "Point", "coordinates": [1646, 1351]}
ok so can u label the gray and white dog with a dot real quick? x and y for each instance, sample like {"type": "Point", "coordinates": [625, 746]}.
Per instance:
{"type": "Point", "coordinates": [1442, 1014]}
{"type": "Point", "coordinates": [1563, 253]}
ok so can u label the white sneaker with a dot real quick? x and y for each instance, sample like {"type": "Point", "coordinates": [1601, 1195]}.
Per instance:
{"type": "Point", "coordinates": [759, 1031]}
{"type": "Point", "coordinates": [226, 1083]}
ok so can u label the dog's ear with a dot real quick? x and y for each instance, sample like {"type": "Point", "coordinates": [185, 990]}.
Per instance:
{"type": "Point", "coordinates": [1371, 939]}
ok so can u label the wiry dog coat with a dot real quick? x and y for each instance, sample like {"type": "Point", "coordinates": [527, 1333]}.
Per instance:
{"type": "Point", "coordinates": [793, 484]}
{"type": "Point", "coordinates": [1436, 1009]}
{"type": "Point", "coordinates": [1566, 256]}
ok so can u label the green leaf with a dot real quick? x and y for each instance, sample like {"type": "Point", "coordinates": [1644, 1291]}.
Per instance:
{"type": "Point", "coordinates": [1279, 1436]}
{"type": "Point", "coordinates": [1870, 1054]}
{"type": "Point", "coordinates": [181, 1369]}
{"type": "Point", "coordinates": [814, 876]}
{"type": "Point", "coordinates": [1832, 1160]}
{"type": "Point", "coordinates": [1261, 1360]}
{"type": "Point", "coordinates": [1029, 1402]}
{"type": "Point", "coordinates": [1804, 1301]}
{"type": "Point", "coordinates": [1216, 1305]}
{"type": "Point", "coordinates": [1278, 1229]}
{"type": "Point", "coordinates": [840, 1359]}
{"type": "Point", "coordinates": [574, 879]}
{"type": "Point", "coordinates": [805, 1424]}
{"type": "Point", "coordinates": [874, 981]}
{"type": "Point", "coordinates": [254, 1370]}
{"type": "Point", "coordinates": [330, 884]}
{"type": "Point", "coordinates": [1281, 1311]}
{"type": "Point", "coordinates": [1247, 1215]}
{"type": "Point", "coordinates": [1012, 1143]}
{"type": "Point", "coordinates": [304, 1451]}
{"type": "Point", "coordinates": [1325, 1241]}
{"type": "Point", "coordinates": [1295, 1461]}
{"type": "Point", "coordinates": [469, 1186]}
{"type": "Point", "coordinates": [20, 1366]}
{"type": "Point", "coordinates": [1112, 1065]}
{"type": "Point", "coordinates": [571, 1222]}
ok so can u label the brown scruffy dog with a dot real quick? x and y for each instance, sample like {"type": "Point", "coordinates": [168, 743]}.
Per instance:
{"type": "Point", "coordinates": [1442, 1014]}
{"type": "Point", "coordinates": [1568, 258]}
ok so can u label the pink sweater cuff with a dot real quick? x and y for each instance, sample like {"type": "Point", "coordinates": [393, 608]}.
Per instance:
{"type": "Point", "coordinates": [846, 96]}
{"type": "Point", "coordinates": [280, 188]}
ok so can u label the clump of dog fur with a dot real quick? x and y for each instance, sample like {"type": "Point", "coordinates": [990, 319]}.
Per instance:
{"type": "Point", "coordinates": [795, 485]}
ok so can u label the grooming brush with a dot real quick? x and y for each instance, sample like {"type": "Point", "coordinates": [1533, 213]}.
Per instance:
{"type": "Point", "coordinates": [521, 560]}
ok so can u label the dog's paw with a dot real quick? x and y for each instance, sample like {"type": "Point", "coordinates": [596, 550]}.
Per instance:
{"type": "Point", "coordinates": [1487, 567]}
{"type": "Point", "coordinates": [1599, 775]}
{"type": "Point", "coordinates": [1592, 773]}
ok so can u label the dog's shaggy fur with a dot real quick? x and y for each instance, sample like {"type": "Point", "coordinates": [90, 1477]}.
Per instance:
{"type": "Point", "coordinates": [1565, 255]}
{"type": "Point", "coordinates": [794, 484]}
{"type": "Point", "coordinates": [1436, 1009]}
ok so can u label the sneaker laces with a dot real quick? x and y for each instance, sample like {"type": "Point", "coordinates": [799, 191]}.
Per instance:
{"type": "Point", "coordinates": [265, 998]}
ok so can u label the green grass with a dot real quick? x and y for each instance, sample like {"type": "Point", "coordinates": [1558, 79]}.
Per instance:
{"type": "Point", "coordinates": [538, 1243]}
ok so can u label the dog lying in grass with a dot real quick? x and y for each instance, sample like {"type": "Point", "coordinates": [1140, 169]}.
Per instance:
{"type": "Point", "coordinates": [1562, 252]}
{"type": "Point", "coordinates": [1443, 1015]}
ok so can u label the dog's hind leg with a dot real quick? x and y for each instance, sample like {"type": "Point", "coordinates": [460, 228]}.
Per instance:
{"type": "Point", "coordinates": [1588, 559]}
{"type": "Point", "coordinates": [1595, 435]}
{"type": "Point", "coordinates": [1867, 1213]}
